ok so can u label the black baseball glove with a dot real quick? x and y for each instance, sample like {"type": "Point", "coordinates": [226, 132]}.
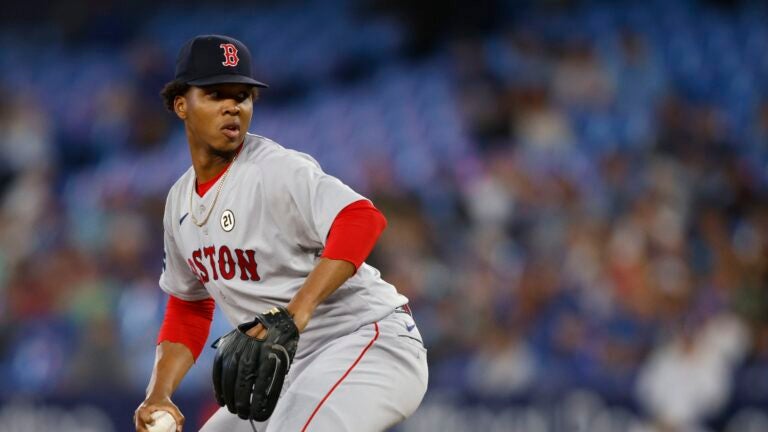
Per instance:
{"type": "Point", "coordinates": [248, 373]}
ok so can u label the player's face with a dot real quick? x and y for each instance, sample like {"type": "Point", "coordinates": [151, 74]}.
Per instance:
{"type": "Point", "coordinates": [219, 115]}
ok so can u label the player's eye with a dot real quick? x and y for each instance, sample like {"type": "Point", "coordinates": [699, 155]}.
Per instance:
{"type": "Point", "coordinates": [214, 94]}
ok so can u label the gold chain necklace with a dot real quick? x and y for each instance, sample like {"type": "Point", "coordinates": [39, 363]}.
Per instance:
{"type": "Point", "coordinates": [215, 198]}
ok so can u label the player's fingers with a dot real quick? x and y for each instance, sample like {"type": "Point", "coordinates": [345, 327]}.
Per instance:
{"type": "Point", "coordinates": [141, 419]}
{"type": "Point", "coordinates": [145, 414]}
{"type": "Point", "coordinates": [171, 409]}
{"type": "Point", "coordinates": [141, 427]}
{"type": "Point", "coordinates": [178, 416]}
{"type": "Point", "coordinates": [258, 331]}
{"type": "Point", "coordinates": [246, 375]}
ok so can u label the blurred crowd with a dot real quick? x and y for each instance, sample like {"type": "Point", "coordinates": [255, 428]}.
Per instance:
{"type": "Point", "coordinates": [604, 227]}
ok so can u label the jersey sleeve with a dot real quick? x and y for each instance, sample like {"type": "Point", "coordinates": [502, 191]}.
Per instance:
{"type": "Point", "coordinates": [316, 196]}
{"type": "Point", "coordinates": [177, 279]}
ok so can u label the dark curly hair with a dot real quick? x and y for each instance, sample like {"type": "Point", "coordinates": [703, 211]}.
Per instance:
{"type": "Point", "coordinates": [171, 90]}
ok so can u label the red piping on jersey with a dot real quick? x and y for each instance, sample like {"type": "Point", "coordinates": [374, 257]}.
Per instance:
{"type": "Point", "coordinates": [202, 188]}
{"type": "Point", "coordinates": [354, 232]}
{"type": "Point", "coordinates": [317, 408]}
{"type": "Point", "coordinates": [187, 323]}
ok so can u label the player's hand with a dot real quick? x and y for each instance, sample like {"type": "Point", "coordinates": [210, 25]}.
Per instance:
{"type": "Point", "coordinates": [258, 331]}
{"type": "Point", "coordinates": [143, 415]}
{"type": "Point", "coordinates": [300, 319]}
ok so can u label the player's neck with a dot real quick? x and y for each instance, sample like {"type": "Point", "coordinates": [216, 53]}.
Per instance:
{"type": "Point", "coordinates": [209, 166]}
{"type": "Point", "coordinates": [208, 162]}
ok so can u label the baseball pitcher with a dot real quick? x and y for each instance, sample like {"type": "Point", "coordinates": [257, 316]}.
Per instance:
{"type": "Point", "coordinates": [320, 341]}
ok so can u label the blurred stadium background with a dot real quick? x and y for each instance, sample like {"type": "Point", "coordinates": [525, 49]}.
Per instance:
{"type": "Point", "coordinates": [576, 194]}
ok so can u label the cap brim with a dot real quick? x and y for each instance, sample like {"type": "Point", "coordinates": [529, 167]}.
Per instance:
{"type": "Point", "coordinates": [226, 79]}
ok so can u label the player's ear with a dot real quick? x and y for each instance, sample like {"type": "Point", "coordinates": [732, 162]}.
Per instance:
{"type": "Point", "coordinates": [180, 107]}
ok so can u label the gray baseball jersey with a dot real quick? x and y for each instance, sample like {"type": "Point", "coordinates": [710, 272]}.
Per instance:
{"type": "Point", "coordinates": [250, 243]}
{"type": "Point", "coordinates": [268, 222]}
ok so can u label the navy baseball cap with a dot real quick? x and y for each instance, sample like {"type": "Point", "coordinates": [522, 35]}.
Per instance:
{"type": "Point", "coordinates": [215, 59]}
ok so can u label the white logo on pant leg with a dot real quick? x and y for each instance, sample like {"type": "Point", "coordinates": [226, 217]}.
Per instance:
{"type": "Point", "coordinates": [227, 220]}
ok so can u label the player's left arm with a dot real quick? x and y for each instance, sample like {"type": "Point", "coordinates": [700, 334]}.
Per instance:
{"type": "Point", "coordinates": [351, 238]}
{"type": "Point", "coordinates": [328, 215]}
{"type": "Point", "coordinates": [327, 276]}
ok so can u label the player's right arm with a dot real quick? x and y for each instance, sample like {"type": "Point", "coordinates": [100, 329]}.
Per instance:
{"type": "Point", "coordinates": [172, 362]}
{"type": "Point", "coordinates": [181, 340]}
{"type": "Point", "coordinates": [185, 328]}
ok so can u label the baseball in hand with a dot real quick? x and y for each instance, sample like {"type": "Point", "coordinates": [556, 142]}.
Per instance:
{"type": "Point", "coordinates": [164, 422]}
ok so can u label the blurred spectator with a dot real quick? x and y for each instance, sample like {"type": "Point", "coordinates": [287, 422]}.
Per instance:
{"type": "Point", "coordinates": [579, 79]}
{"type": "Point", "coordinates": [502, 367]}
{"type": "Point", "coordinates": [688, 379]}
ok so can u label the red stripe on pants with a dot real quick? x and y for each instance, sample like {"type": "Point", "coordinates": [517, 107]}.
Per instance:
{"type": "Point", "coordinates": [317, 408]}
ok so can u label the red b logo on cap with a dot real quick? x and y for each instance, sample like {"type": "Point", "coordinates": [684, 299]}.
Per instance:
{"type": "Point", "coordinates": [230, 55]}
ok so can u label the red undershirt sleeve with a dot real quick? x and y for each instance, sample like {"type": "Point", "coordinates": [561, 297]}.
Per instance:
{"type": "Point", "coordinates": [354, 232]}
{"type": "Point", "coordinates": [188, 323]}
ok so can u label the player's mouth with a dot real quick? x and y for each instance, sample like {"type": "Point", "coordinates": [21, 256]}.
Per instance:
{"type": "Point", "coordinates": [231, 130]}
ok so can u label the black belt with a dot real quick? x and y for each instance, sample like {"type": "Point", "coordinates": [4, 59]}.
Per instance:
{"type": "Point", "coordinates": [404, 309]}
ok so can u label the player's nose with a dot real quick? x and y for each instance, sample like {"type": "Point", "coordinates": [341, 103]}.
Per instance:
{"type": "Point", "coordinates": [230, 107]}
